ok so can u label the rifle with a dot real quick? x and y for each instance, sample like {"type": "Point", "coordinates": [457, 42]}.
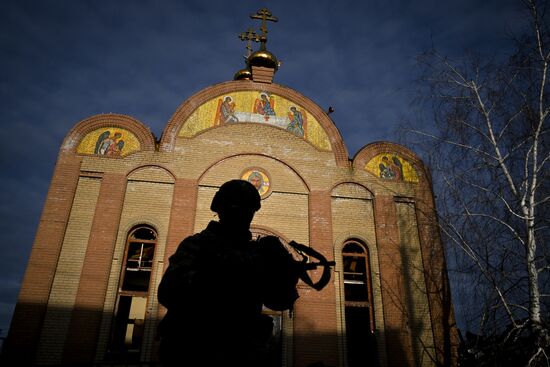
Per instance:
{"type": "Point", "coordinates": [281, 271]}
{"type": "Point", "coordinates": [305, 265]}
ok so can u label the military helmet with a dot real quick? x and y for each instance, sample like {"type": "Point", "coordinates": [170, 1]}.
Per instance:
{"type": "Point", "coordinates": [236, 193]}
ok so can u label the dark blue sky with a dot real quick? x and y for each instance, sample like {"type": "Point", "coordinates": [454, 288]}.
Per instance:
{"type": "Point", "coordinates": [65, 60]}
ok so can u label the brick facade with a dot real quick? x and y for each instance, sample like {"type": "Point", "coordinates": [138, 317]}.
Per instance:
{"type": "Point", "coordinates": [28, 318]}
{"type": "Point", "coordinates": [86, 314]}
{"type": "Point", "coordinates": [316, 196]}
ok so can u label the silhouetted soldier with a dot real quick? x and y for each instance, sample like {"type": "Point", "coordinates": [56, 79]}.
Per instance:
{"type": "Point", "coordinates": [212, 289]}
{"type": "Point", "coordinates": [217, 282]}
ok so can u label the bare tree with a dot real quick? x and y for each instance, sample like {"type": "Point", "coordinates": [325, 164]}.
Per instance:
{"type": "Point", "coordinates": [491, 161]}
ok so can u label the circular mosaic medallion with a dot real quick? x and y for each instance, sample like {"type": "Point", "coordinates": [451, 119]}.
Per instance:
{"type": "Point", "coordinates": [260, 179]}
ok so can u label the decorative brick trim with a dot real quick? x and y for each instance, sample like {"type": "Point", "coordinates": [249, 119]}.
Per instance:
{"type": "Point", "coordinates": [87, 313]}
{"type": "Point", "coordinates": [444, 329]}
{"type": "Point", "coordinates": [182, 215]}
{"type": "Point", "coordinates": [182, 220]}
{"type": "Point", "coordinates": [262, 74]}
{"type": "Point", "coordinates": [316, 337]}
{"type": "Point", "coordinates": [185, 110]}
{"type": "Point", "coordinates": [387, 234]}
{"type": "Point", "coordinates": [335, 184]}
{"type": "Point", "coordinates": [151, 165]}
{"type": "Point", "coordinates": [284, 162]}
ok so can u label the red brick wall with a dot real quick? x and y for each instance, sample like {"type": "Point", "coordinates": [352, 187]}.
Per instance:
{"type": "Point", "coordinates": [315, 322]}
{"type": "Point", "coordinates": [22, 341]}
{"type": "Point", "coordinates": [397, 338]}
{"type": "Point", "coordinates": [182, 215]}
{"type": "Point", "coordinates": [86, 317]}
{"type": "Point", "coordinates": [437, 283]}
{"type": "Point", "coordinates": [182, 219]}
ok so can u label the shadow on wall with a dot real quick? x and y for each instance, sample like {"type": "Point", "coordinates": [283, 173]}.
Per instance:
{"type": "Point", "coordinates": [73, 338]}
{"type": "Point", "coordinates": [69, 337]}
{"type": "Point", "coordinates": [434, 285]}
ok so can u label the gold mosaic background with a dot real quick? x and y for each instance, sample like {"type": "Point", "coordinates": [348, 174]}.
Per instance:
{"type": "Point", "coordinates": [91, 140]}
{"type": "Point", "coordinates": [205, 116]}
{"type": "Point", "coordinates": [409, 173]}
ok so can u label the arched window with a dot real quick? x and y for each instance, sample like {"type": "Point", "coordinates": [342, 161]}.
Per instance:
{"type": "Point", "coordinates": [360, 341]}
{"type": "Point", "coordinates": [133, 292]}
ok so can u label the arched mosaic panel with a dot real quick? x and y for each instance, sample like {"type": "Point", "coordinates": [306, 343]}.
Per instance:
{"type": "Point", "coordinates": [392, 167]}
{"type": "Point", "coordinates": [109, 141]}
{"type": "Point", "coordinates": [256, 107]}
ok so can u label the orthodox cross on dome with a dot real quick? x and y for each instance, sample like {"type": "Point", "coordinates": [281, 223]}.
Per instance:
{"type": "Point", "coordinates": [249, 36]}
{"type": "Point", "coordinates": [264, 14]}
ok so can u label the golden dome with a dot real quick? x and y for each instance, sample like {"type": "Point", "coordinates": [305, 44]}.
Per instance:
{"type": "Point", "coordinates": [263, 58]}
{"type": "Point", "coordinates": [243, 74]}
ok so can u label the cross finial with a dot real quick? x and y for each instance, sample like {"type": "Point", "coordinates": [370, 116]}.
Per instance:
{"type": "Point", "coordinates": [249, 36]}
{"type": "Point", "coordinates": [264, 14]}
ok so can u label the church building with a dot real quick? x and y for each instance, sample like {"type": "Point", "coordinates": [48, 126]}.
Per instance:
{"type": "Point", "coordinates": [120, 201]}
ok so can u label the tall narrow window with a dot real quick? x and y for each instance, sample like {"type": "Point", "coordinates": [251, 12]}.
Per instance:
{"type": "Point", "coordinates": [360, 341]}
{"type": "Point", "coordinates": [133, 292]}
